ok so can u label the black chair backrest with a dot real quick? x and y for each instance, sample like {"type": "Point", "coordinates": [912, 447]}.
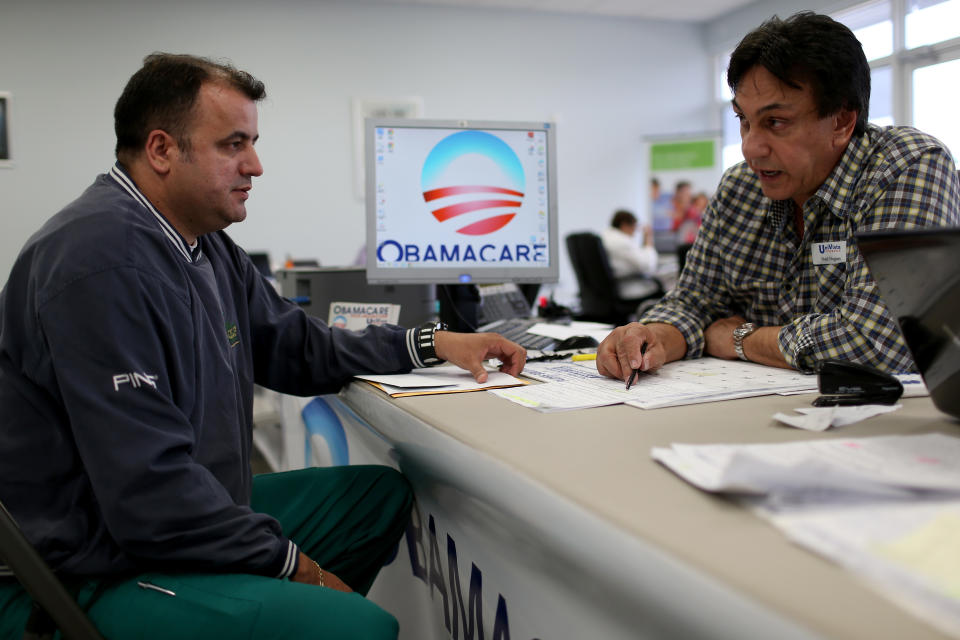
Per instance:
{"type": "Point", "coordinates": [41, 583]}
{"type": "Point", "coordinates": [598, 287]}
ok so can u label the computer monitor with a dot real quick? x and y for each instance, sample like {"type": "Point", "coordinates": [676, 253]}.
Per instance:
{"type": "Point", "coordinates": [918, 274]}
{"type": "Point", "coordinates": [461, 202]}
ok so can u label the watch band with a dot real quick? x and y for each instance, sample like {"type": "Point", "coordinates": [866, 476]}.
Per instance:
{"type": "Point", "coordinates": [739, 334]}
{"type": "Point", "coordinates": [426, 347]}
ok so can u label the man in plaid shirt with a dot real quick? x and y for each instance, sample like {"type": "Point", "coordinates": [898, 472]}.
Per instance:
{"type": "Point", "coordinates": [775, 275]}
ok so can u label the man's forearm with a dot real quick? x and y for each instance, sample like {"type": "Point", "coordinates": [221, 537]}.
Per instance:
{"type": "Point", "coordinates": [763, 346]}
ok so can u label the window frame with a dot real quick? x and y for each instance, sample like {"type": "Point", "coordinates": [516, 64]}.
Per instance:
{"type": "Point", "coordinates": [903, 63]}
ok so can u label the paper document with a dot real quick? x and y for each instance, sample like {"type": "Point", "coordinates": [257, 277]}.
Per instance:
{"type": "Point", "coordinates": [822, 418]}
{"type": "Point", "coordinates": [579, 385]}
{"type": "Point", "coordinates": [885, 465]}
{"type": "Point", "coordinates": [907, 550]}
{"type": "Point", "coordinates": [568, 385]}
{"type": "Point", "coordinates": [913, 386]}
{"type": "Point", "coordinates": [446, 379]}
{"type": "Point", "coordinates": [887, 508]}
{"type": "Point", "coordinates": [558, 331]}
{"type": "Point", "coordinates": [711, 379]}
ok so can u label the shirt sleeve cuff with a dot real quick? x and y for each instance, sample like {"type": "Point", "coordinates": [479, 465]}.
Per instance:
{"type": "Point", "coordinates": [692, 332]}
{"type": "Point", "coordinates": [285, 564]}
{"type": "Point", "coordinates": [796, 344]}
{"type": "Point", "coordinates": [412, 351]}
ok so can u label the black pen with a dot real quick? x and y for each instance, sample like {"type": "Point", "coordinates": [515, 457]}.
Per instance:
{"type": "Point", "coordinates": [636, 372]}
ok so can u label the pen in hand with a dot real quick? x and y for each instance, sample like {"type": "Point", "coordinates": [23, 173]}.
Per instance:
{"type": "Point", "coordinates": [636, 372]}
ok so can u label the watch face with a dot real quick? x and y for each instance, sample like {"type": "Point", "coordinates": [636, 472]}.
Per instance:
{"type": "Point", "coordinates": [743, 330]}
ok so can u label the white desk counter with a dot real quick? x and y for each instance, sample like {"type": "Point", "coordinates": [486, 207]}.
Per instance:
{"type": "Point", "coordinates": [579, 534]}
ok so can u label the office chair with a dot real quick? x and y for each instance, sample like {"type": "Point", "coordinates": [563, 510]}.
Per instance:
{"type": "Point", "coordinates": [600, 299]}
{"type": "Point", "coordinates": [53, 606]}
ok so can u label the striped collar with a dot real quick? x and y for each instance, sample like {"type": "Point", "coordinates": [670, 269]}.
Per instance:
{"type": "Point", "coordinates": [181, 246]}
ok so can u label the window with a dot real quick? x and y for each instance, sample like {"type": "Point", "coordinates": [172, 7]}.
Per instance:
{"type": "Point", "coordinates": [913, 47]}
{"type": "Point", "coordinates": [881, 96]}
{"type": "Point", "coordinates": [935, 98]}
{"type": "Point", "coordinates": [873, 27]}
{"type": "Point", "coordinates": [931, 21]}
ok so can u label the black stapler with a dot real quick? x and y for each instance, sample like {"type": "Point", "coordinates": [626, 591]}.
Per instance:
{"type": "Point", "coordinates": [849, 383]}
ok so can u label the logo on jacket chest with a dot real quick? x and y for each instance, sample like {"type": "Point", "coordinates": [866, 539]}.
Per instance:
{"type": "Point", "coordinates": [233, 334]}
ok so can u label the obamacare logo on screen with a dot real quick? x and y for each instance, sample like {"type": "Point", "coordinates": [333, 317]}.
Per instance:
{"type": "Point", "coordinates": [474, 182]}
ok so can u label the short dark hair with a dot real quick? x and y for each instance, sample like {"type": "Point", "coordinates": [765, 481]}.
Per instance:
{"type": "Point", "coordinates": [814, 49]}
{"type": "Point", "coordinates": [621, 218]}
{"type": "Point", "coordinates": [162, 94]}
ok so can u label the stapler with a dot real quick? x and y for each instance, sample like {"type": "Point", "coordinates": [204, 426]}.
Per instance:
{"type": "Point", "coordinates": [849, 383]}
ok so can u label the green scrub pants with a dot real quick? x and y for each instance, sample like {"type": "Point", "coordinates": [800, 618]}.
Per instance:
{"type": "Point", "coordinates": [349, 519]}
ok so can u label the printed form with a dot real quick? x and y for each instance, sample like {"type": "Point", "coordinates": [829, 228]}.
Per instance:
{"type": "Point", "coordinates": [886, 508]}
{"type": "Point", "coordinates": [579, 385]}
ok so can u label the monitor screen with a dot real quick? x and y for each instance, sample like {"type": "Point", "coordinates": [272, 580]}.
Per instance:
{"type": "Point", "coordinates": [461, 202]}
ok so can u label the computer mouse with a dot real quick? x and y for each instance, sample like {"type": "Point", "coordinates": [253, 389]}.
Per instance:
{"type": "Point", "coordinates": [576, 342]}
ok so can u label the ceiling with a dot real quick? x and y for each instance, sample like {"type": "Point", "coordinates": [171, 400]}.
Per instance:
{"type": "Point", "coordinates": [681, 10]}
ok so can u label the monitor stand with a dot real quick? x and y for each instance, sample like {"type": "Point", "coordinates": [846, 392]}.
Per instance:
{"type": "Point", "coordinates": [459, 306]}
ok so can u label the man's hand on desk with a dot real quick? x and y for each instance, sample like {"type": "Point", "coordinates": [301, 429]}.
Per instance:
{"type": "Point", "coordinates": [639, 346]}
{"type": "Point", "coordinates": [470, 350]}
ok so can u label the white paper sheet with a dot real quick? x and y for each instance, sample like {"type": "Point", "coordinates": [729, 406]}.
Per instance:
{"type": "Point", "coordinates": [885, 465]}
{"type": "Point", "coordinates": [596, 330]}
{"type": "Point", "coordinates": [447, 378]}
{"type": "Point", "coordinates": [676, 383]}
{"type": "Point", "coordinates": [822, 418]}
{"type": "Point", "coordinates": [907, 550]}
{"type": "Point", "coordinates": [886, 508]}
{"type": "Point", "coordinates": [567, 385]}
{"type": "Point", "coordinates": [711, 380]}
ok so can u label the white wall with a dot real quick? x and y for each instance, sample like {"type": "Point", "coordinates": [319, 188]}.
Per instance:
{"type": "Point", "coordinates": [607, 82]}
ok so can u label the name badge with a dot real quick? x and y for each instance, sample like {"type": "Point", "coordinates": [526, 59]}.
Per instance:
{"type": "Point", "coordinates": [829, 252]}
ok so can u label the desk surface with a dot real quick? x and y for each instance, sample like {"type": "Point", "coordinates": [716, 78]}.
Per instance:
{"type": "Point", "coordinates": [600, 459]}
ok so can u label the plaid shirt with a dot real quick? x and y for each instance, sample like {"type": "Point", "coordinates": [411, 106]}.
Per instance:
{"type": "Point", "coordinates": [747, 259]}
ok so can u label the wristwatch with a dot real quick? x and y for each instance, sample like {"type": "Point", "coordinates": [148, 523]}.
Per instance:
{"type": "Point", "coordinates": [739, 334]}
{"type": "Point", "coordinates": [426, 347]}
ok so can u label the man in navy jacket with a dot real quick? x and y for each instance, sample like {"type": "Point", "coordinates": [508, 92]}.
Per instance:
{"type": "Point", "coordinates": [132, 331]}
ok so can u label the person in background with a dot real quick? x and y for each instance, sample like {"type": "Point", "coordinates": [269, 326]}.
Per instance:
{"type": "Point", "coordinates": [774, 275]}
{"type": "Point", "coordinates": [132, 331]}
{"type": "Point", "coordinates": [661, 206]}
{"type": "Point", "coordinates": [681, 201]}
{"type": "Point", "coordinates": [686, 230]}
{"type": "Point", "coordinates": [629, 258]}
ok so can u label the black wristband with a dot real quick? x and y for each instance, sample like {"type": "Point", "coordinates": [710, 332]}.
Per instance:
{"type": "Point", "coordinates": [426, 347]}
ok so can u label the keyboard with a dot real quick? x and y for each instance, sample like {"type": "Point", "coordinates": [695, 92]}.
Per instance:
{"type": "Point", "coordinates": [515, 329]}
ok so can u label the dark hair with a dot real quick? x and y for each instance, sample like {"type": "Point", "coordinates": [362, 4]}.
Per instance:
{"type": "Point", "coordinates": [621, 218]}
{"type": "Point", "coordinates": [814, 49]}
{"type": "Point", "coordinates": [162, 94]}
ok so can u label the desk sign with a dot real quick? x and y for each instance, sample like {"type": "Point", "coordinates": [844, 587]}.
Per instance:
{"type": "Point", "coordinates": [357, 315]}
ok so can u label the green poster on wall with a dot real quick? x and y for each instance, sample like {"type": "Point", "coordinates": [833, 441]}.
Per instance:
{"type": "Point", "coordinates": [693, 154]}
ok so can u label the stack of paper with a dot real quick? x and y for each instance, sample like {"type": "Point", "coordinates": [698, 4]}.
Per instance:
{"type": "Point", "coordinates": [446, 379]}
{"type": "Point", "coordinates": [888, 508]}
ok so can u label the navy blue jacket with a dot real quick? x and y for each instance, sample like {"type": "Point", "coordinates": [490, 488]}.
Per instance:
{"type": "Point", "coordinates": [127, 365]}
